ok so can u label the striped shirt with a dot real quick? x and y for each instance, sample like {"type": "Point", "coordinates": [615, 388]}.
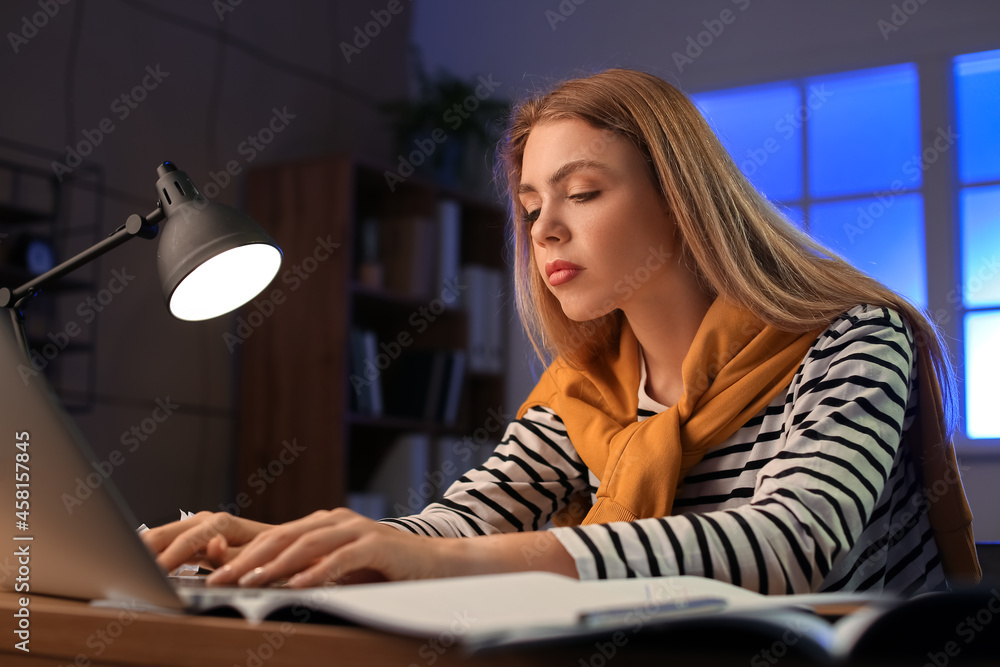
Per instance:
{"type": "Point", "coordinates": [814, 493]}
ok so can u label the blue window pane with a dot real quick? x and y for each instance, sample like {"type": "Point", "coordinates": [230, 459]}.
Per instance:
{"type": "Point", "coordinates": [760, 126]}
{"type": "Point", "coordinates": [977, 100]}
{"type": "Point", "coordinates": [864, 132]}
{"type": "Point", "coordinates": [884, 237]}
{"type": "Point", "coordinates": [979, 211]}
{"type": "Point", "coordinates": [982, 368]}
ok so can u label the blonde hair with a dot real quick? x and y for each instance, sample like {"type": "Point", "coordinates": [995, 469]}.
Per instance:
{"type": "Point", "coordinates": [735, 241]}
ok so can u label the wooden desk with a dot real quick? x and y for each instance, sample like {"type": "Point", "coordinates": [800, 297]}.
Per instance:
{"type": "Point", "coordinates": [65, 633]}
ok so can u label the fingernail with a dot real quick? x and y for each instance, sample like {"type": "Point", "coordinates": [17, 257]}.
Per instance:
{"type": "Point", "coordinates": [251, 578]}
{"type": "Point", "coordinates": [298, 579]}
{"type": "Point", "coordinates": [219, 575]}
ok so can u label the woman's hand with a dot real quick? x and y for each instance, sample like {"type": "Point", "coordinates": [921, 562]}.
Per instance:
{"type": "Point", "coordinates": [338, 546]}
{"type": "Point", "coordinates": [209, 539]}
{"type": "Point", "coordinates": [342, 546]}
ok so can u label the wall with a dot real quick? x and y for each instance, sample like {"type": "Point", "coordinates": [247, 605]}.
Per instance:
{"type": "Point", "coordinates": [226, 71]}
{"type": "Point", "coordinates": [527, 45]}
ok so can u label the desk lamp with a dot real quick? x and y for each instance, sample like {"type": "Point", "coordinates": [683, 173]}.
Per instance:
{"type": "Point", "coordinates": [212, 259]}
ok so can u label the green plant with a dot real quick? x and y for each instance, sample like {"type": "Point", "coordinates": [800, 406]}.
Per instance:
{"type": "Point", "coordinates": [461, 119]}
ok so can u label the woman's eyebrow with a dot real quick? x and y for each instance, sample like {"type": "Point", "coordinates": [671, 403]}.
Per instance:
{"type": "Point", "coordinates": [564, 171]}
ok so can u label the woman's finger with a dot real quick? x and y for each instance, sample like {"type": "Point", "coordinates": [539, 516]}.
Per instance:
{"type": "Point", "coordinates": [372, 554]}
{"type": "Point", "coordinates": [218, 552]}
{"type": "Point", "coordinates": [159, 538]}
{"type": "Point", "coordinates": [338, 567]}
{"type": "Point", "coordinates": [376, 555]}
{"type": "Point", "coordinates": [190, 543]}
{"type": "Point", "coordinates": [314, 547]}
{"type": "Point", "coordinates": [256, 557]}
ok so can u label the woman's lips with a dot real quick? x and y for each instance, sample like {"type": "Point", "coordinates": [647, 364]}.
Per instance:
{"type": "Point", "coordinates": [561, 271]}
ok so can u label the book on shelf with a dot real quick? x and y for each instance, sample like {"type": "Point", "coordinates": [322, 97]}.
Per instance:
{"type": "Point", "coordinates": [406, 387]}
{"type": "Point", "coordinates": [475, 309]}
{"type": "Point", "coordinates": [436, 384]}
{"type": "Point", "coordinates": [449, 243]}
{"type": "Point", "coordinates": [489, 614]}
{"type": "Point", "coordinates": [408, 251]}
{"type": "Point", "coordinates": [483, 304]}
{"type": "Point", "coordinates": [358, 396]}
{"type": "Point", "coordinates": [414, 256]}
{"type": "Point", "coordinates": [425, 385]}
{"type": "Point", "coordinates": [494, 321]}
{"type": "Point", "coordinates": [370, 269]}
{"type": "Point", "coordinates": [373, 373]}
{"type": "Point", "coordinates": [452, 388]}
{"type": "Point", "coordinates": [365, 381]}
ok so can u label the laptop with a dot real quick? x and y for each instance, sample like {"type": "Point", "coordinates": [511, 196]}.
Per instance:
{"type": "Point", "coordinates": [71, 533]}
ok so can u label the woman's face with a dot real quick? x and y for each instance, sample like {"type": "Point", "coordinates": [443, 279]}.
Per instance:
{"type": "Point", "coordinates": [600, 232]}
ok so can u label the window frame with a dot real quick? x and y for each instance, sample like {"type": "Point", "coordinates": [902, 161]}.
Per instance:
{"type": "Point", "coordinates": [808, 199]}
{"type": "Point", "coordinates": [975, 446]}
{"type": "Point", "coordinates": [940, 188]}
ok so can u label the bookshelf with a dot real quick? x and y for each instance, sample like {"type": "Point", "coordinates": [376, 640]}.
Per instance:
{"type": "Point", "coordinates": [365, 351]}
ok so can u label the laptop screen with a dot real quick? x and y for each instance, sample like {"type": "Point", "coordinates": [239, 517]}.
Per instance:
{"type": "Point", "coordinates": [70, 532]}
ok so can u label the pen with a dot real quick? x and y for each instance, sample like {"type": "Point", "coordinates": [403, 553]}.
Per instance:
{"type": "Point", "coordinates": [620, 615]}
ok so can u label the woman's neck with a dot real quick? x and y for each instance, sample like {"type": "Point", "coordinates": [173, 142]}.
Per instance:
{"type": "Point", "coordinates": [665, 324]}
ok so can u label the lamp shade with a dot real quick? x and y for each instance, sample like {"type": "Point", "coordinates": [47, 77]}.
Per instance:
{"type": "Point", "coordinates": [211, 258]}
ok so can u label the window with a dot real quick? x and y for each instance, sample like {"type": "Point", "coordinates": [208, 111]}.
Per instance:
{"type": "Point", "coordinates": [977, 114]}
{"type": "Point", "coordinates": [841, 155]}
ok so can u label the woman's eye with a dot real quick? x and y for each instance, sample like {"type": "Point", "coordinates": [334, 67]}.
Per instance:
{"type": "Point", "coordinates": [532, 216]}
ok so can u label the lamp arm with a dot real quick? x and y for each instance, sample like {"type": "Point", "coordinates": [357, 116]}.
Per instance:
{"type": "Point", "coordinates": [135, 225]}
{"type": "Point", "coordinates": [14, 299]}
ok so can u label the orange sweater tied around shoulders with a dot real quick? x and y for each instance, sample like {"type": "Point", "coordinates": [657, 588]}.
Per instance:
{"type": "Point", "coordinates": [735, 367]}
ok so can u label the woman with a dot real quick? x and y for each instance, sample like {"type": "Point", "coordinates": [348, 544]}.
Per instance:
{"type": "Point", "coordinates": [727, 399]}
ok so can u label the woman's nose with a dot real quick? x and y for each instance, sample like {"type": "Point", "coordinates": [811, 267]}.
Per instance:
{"type": "Point", "coordinates": [548, 228]}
